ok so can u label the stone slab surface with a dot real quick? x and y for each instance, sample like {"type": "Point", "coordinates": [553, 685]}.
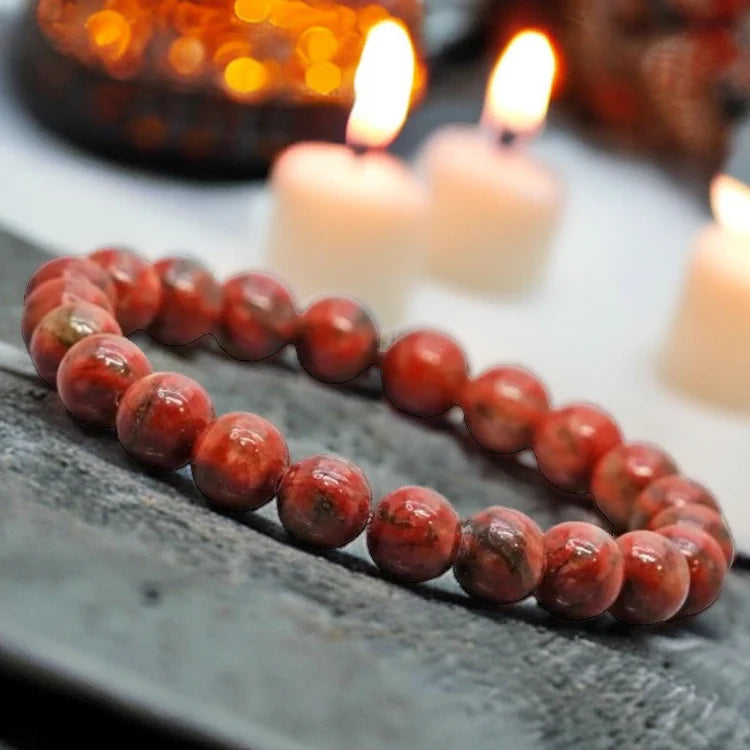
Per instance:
{"type": "Point", "coordinates": [125, 586]}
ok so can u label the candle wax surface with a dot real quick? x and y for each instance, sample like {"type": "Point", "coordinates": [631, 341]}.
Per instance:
{"type": "Point", "coordinates": [708, 351]}
{"type": "Point", "coordinates": [344, 223]}
{"type": "Point", "coordinates": [493, 212]}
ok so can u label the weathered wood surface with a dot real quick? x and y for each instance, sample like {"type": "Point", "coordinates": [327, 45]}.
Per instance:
{"type": "Point", "coordinates": [127, 585]}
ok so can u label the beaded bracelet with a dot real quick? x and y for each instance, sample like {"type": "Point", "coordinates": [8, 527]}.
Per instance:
{"type": "Point", "coordinates": [672, 561]}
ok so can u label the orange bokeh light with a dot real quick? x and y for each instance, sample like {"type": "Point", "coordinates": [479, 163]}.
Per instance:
{"type": "Point", "coordinates": [382, 86]}
{"type": "Point", "coordinates": [519, 88]}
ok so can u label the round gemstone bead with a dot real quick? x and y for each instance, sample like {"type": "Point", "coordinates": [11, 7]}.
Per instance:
{"type": "Point", "coordinates": [708, 567]}
{"type": "Point", "coordinates": [424, 372]}
{"type": "Point", "coordinates": [622, 473]}
{"type": "Point", "coordinates": [160, 417]}
{"type": "Point", "coordinates": [656, 581]}
{"type": "Point", "coordinates": [137, 283]}
{"type": "Point", "coordinates": [668, 492]}
{"type": "Point", "coordinates": [324, 501]}
{"type": "Point", "coordinates": [700, 516]}
{"type": "Point", "coordinates": [414, 534]}
{"type": "Point", "coordinates": [584, 571]}
{"type": "Point", "coordinates": [70, 266]}
{"type": "Point", "coordinates": [59, 291]}
{"type": "Point", "coordinates": [190, 302]}
{"type": "Point", "coordinates": [62, 327]}
{"type": "Point", "coordinates": [95, 373]}
{"type": "Point", "coordinates": [258, 316]}
{"type": "Point", "coordinates": [501, 557]}
{"type": "Point", "coordinates": [570, 441]}
{"type": "Point", "coordinates": [238, 461]}
{"type": "Point", "coordinates": [503, 407]}
{"type": "Point", "coordinates": [337, 339]}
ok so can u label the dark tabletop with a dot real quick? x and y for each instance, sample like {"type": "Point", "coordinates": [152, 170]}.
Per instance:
{"type": "Point", "coordinates": [125, 600]}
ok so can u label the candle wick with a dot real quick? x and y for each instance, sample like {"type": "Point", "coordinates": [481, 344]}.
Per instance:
{"type": "Point", "coordinates": [507, 137]}
{"type": "Point", "coordinates": [359, 149]}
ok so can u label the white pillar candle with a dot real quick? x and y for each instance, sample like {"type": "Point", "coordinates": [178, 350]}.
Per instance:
{"type": "Point", "coordinates": [348, 222]}
{"type": "Point", "coordinates": [493, 207]}
{"type": "Point", "coordinates": [707, 352]}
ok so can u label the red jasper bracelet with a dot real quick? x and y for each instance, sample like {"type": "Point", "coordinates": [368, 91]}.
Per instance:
{"type": "Point", "coordinates": [671, 563]}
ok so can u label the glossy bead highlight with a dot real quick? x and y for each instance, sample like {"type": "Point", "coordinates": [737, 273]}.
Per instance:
{"type": "Point", "coordinates": [238, 461]}
{"type": "Point", "coordinates": [424, 372]}
{"type": "Point", "coordinates": [621, 474]}
{"type": "Point", "coordinates": [503, 407]}
{"type": "Point", "coordinates": [160, 417]}
{"type": "Point", "coordinates": [190, 302]}
{"type": "Point", "coordinates": [324, 501]}
{"type": "Point", "coordinates": [63, 327]}
{"type": "Point", "coordinates": [95, 373]}
{"type": "Point", "coordinates": [570, 441]}
{"type": "Point", "coordinates": [137, 283]}
{"type": "Point", "coordinates": [584, 571]}
{"type": "Point", "coordinates": [337, 340]}
{"type": "Point", "coordinates": [501, 557]}
{"type": "Point", "coordinates": [414, 534]}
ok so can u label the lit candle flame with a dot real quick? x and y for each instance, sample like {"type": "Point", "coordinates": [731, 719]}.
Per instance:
{"type": "Point", "coordinates": [382, 86]}
{"type": "Point", "coordinates": [730, 203]}
{"type": "Point", "coordinates": [519, 88]}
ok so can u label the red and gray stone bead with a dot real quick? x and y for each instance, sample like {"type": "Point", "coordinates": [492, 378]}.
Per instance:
{"type": "Point", "coordinates": [95, 373]}
{"type": "Point", "coordinates": [424, 372]}
{"type": "Point", "coordinates": [138, 286]}
{"type": "Point", "coordinates": [238, 461]}
{"type": "Point", "coordinates": [160, 417]}
{"type": "Point", "coordinates": [622, 474]}
{"type": "Point", "coordinates": [584, 571]}
{"type": "Point", "coordinates": [501, 556]}
{"type": "Point", "coordinates": [324, 501]}
{"type": "Point", "coordinates": [656, 581]}
{"type": "Point", "coordinates": [700, 516]}
{"type": "Point", "coordinates": [570, 441]}
{"type": "Point", "coordinates": [668, 492]}
{"type": "Point", "coordinates": [707, 564]}
{"type": "Point", "coordinates": [337, 339]}
{"type": "Point", "coordinates": [63, 327]}
{"type": "Point", "coordinates": [414, 534]}
{"type": "Point", "coordinates": [59, 291]}
{"type": "Point", "coordinates": [258, 316]}
{"type": "Point", "coordinates": [71, 266]}
{"type": "Point", "coordinates": [190, 302]}
{"type": "Point", "coordinates": [503, 407]}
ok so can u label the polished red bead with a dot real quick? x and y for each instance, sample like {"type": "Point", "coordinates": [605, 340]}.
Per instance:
{"type": "Point", "coordinates": [160, 417]}
{"type": "Point", "coordinates": [656, 582]}
{"type": "Point", "coordinates": [501, 557]}
{"type": "Point", "coordinates": [707, 564]}
{"type": "Point", "coordinates": [503, 407]}
{"type": "Point", "coordinates": [570, 441]}
{"type": "Point", "coordinates": [59, 291]}
{"type": "Point", "coordinates": [424, 372]}
{"type": "Point", "coordinates": [138, 286]}
{"type": "Point", "coordinates": [584, 571]}
{"type": "Point", "coordinates": [668, 492]}
{"type": "Point", "coordinates": [258, 316]}
{"type": "Point", "coordinates": [621, 474]}
{"type": "Point", "coordinates": [700, 516]}
{"type": "Point", "coordinates": [62, 327]}
{"type": "Point", "coordinates": [337, 339]}
{"type": "Point", "coordinates": [95, 373]}
{"type": "Point", "coordinates": [414, 534]}
{"type": "Point", "coordinates": [71, 266]}
{"type": "Point", "coordinates": [238, 461]}
{"type": "Point", "coordinates": [324, 501]}
{"type": "Point", "coordinates": [190, 302]}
